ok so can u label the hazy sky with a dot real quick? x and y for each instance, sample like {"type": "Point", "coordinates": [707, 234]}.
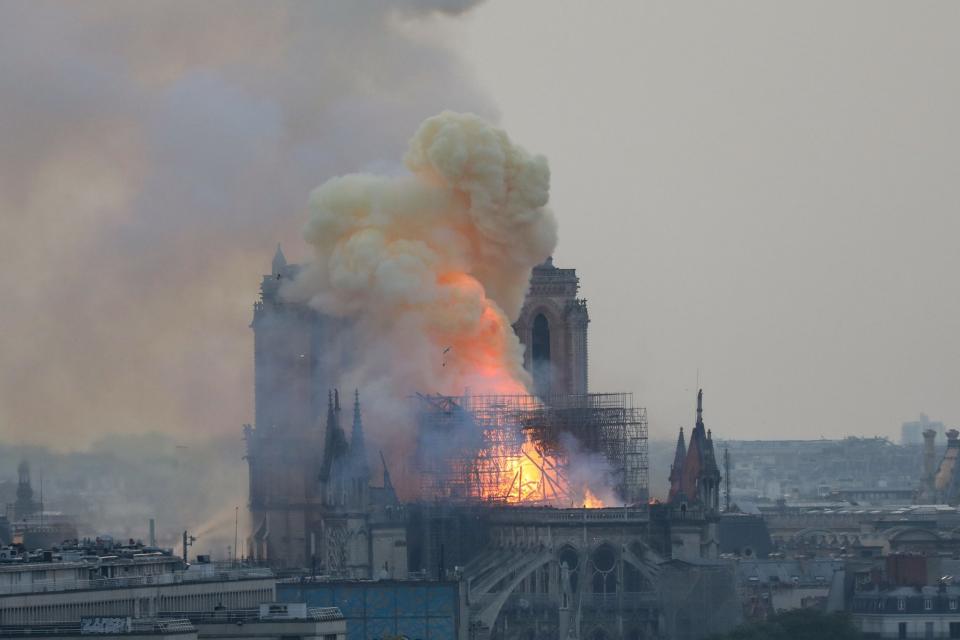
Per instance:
{"type": "Point", "coordinates": [766, 192]}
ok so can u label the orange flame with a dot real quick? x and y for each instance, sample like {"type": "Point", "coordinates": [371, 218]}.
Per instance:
{"type": "Point", "coordinates": [591, 501]}
{"type": "Point", "coordinates": [483, 354]}
{"type": "Point", "coordinates": [531, 477]}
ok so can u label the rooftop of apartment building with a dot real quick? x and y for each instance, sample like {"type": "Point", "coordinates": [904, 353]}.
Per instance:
{"type": "Point", "coordinates": [104, 564]}
{"type": "Point", "coordinates": [126, 628]}
{"type": "Point", "coordinates": [788, 571]}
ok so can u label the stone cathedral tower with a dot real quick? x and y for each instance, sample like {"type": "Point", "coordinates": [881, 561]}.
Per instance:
{"type": "Point", "coordinates": [311, 502]}
{"type": "Point", "coordinates": [296, 359]}
{"type": "Point", "coordinates": [553, 329]}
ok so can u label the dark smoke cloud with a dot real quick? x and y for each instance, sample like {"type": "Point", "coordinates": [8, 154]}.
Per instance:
{"type": "Point", "coordinates": [152, 155]}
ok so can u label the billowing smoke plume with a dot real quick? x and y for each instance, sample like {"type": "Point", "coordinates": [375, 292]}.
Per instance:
{"type": "Point", "coordinates": [153, 153]}
{"type": "Point", "coordinates": [433, 267]}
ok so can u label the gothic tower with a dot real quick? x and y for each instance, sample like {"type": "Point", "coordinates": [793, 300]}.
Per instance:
{"type": "Point", "coordinates": [292, 370]}
{"type": "Point", "coordinates": [553, 329]}
{"type": "Point", "coordinates": [694, 475]}
{"type": "Point", "coordinates": [24, 507]}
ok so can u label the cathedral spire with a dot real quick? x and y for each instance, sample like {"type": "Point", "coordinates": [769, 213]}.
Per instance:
{"type": "Point", "coordinates": [676, 469]}
{"type": "Point", "coordinates": [679, 454]}
{"type": "Point", "coordinates": [358, 448]}
{"type": "Point", "coordinates": [335, 446]}
{"type": "Point", "coordinates": [279, 261]}
{"type": "Point", "coordinates": [700, 408]}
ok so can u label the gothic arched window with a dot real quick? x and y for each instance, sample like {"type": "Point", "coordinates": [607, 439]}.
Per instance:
{"type": "Point", "coordinates": [540, 354]}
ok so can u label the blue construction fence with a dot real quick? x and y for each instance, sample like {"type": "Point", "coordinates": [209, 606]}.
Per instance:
{"type": "Point", "coordinates": [385, 609]}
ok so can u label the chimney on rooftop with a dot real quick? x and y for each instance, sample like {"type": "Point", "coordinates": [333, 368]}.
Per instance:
{"type": "Point", "coordinates": [952, 438]}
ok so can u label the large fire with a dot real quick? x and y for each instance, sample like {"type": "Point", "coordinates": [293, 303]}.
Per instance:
{"type": "Point", "coordinates": [519, 472]}
{"type": "Point", "coordinates": [531, 477]}
{"type": "Point", "coordinates": [537, 479]}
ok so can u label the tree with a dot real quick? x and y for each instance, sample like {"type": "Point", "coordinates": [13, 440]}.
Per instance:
{"type": "Point", "coordinates": [799, 624]}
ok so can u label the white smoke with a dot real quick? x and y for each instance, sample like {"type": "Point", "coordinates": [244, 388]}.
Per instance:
{"type": "Point", "coordinates": [433, 266]}
{"type": "Point", "coordinates": [430, 268]}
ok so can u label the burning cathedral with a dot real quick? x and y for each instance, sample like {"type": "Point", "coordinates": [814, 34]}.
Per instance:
{"type": "Point", "coordinates": [502, 515]}
{"type": "Point", "coordinates": [518, 482]}
{"type": "Point", "coordinates": [507, 448]}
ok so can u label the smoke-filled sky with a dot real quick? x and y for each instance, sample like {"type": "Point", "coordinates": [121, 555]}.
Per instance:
{"type": "Point", "coordinates": [768, 192]}
{"type": "Point", "coordinates": [152, 156]}
{"type": "Point", "coordinates": [764, 192]}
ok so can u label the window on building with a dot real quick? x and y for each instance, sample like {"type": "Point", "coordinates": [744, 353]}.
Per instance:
{"type": "Point", "coordinates": [955, 629]}
{"type": "Point", "coordinates": [901, 605]}
{"type": "Point", "coordinates": [928, 630]}
{"type": "Point", "coordinates": [928, 604]}
{"type": "Point", "coordinates": [902, 629]}
{"type": "Point", "coordinates": [953, 604]}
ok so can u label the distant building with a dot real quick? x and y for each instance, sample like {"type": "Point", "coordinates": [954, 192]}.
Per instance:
{"type": "Point", "coordinates": [28, 524]}
{"type": "Point", "coordinates": [58, 587]}
{"type": "Point", "coordinates": [775, 585]}
{"type": "Point", "coordinates": [869, 471]}
{"type": "Point", "coordinates": [25, 506]}
{"type": "Point", "coordinates": [826, 530]}
{"type": "Point", "coordinates": [907, 596]}
{"type": "Point", "coordinates": [912, 432]}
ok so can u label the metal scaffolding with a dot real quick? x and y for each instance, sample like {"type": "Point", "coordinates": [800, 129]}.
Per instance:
{"type": "Point", "coordinates": [518, 448]}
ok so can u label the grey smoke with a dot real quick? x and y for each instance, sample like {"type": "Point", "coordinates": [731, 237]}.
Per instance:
{"type": "Point", "coordinates": [152, 156]}
{"type": "Point", "coordinates": [153, 153]}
